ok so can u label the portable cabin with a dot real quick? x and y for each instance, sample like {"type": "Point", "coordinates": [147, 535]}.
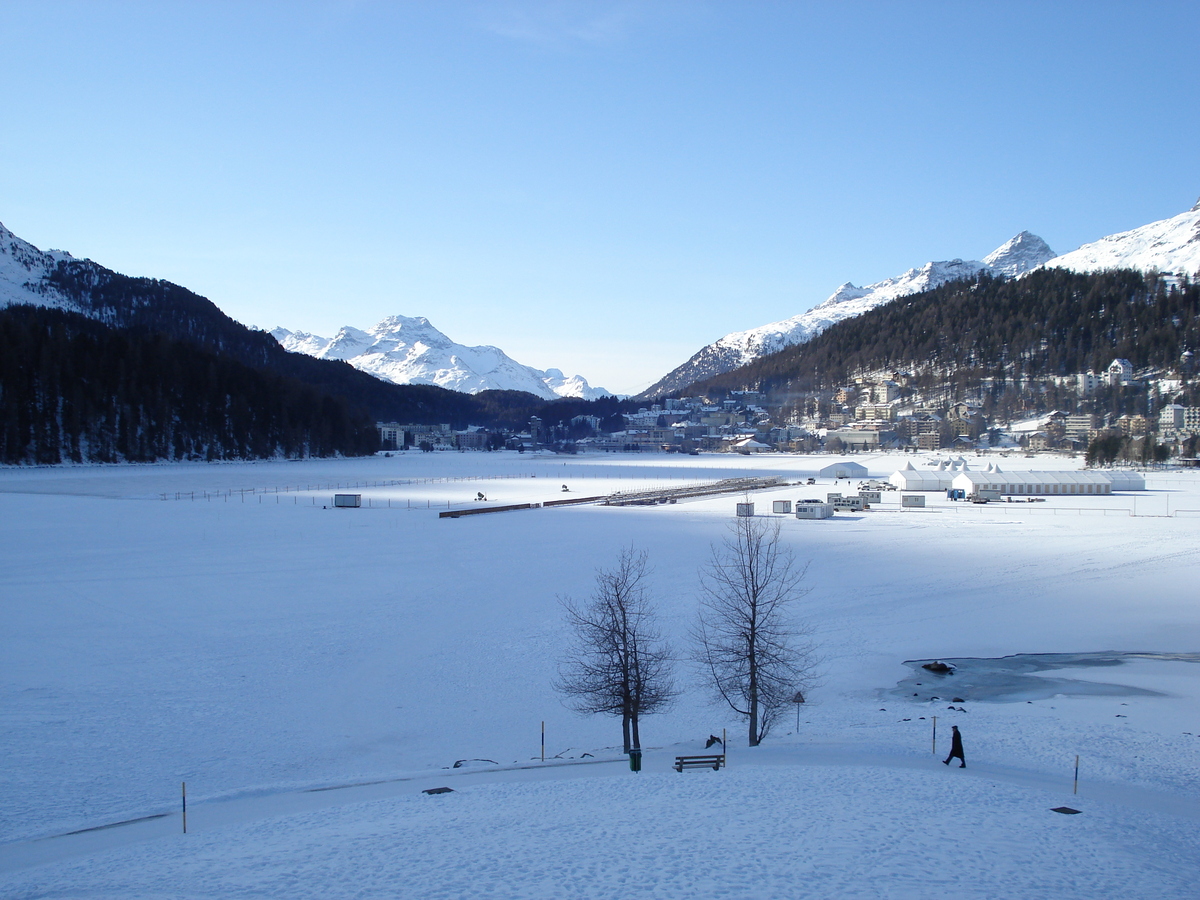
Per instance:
{"type": "Point", "coordinates": [809, 510]}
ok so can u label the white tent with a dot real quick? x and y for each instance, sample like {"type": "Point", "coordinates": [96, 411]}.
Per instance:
{"type": "Point", "coordinates": [844, 470]}
{"type": "Point", "coordinates": [1125, 480]}
{"type": "Point", "coordinates": [1047, 484]}
{"type": "Point", "coordinates": [910, 479]}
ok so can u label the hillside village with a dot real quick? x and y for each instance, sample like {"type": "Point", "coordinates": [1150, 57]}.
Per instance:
{"type": "Point", "coordinates": [885, 412]}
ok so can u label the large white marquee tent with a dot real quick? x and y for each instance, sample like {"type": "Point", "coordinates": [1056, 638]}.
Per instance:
{"type": "Point", "coordinates": [1048, 483]}
{"type": "Point", "coordinates": [958, 475]}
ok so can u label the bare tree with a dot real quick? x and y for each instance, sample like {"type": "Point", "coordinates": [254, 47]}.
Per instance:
{"type": "Point", "coordinates": [618, 663]}
{"type": "Point", "coordinates": [754, 654]}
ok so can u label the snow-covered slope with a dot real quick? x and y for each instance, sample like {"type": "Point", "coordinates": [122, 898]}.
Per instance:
{"type": "Point", "coordinates": [23, 270]}
{"type": "Point", "coordinates": [1170, 245]}
{"type": "Point", "coordinates": [1022, 253]}
{"type": "Point", "coordinates": [409, 350]}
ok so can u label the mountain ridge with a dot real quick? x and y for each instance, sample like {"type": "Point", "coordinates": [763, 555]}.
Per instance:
{"type": "Point", "coordinates": [1019, 254]}
{"type": "Point", "coordinates": [410, 350]}
{"type": "Point", "coordinates": [1170, 246]}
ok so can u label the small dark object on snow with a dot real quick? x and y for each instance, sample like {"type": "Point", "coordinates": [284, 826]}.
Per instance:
{"type": "Point", "coordinates": [712, 739]}
{"type": "Point", "coordinates": [566, 490]}
{"type": "Point", "coordinates": [939, 667]}
{"type": "Point", "coordinates": [441, 790]}
{"type": "Point", "coordinates": [458, 764]}
{"type": "Point", "coordinates": [957, 700]}
{"type": "Point", "coordinates": [1065, 810]}
{"type": "Point", "coordinates": [480, 496]}
{"type": "Point", "coordinates": [586, 755]}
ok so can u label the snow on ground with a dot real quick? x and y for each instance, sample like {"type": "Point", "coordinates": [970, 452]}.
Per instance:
{"type": "Point", "coordinates": [255, 644]}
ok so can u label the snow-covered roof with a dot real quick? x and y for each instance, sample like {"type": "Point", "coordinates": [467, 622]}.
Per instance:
{"type": "Point", "coordinates": [852, 469]}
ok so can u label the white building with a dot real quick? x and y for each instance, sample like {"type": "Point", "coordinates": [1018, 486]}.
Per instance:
{"type": "Point", "coordinates": [1120, 371]}
{"type": "Point", "coordinates": [1170, 417]}
{"type": "Point", "coordinates": [750, 445]}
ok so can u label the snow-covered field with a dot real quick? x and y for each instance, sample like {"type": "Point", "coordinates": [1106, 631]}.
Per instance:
{"type": "Point", "coordinates": [258, 646]}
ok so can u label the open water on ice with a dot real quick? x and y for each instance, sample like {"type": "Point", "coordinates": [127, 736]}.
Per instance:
{"type": "Point", "coordinates": [1020, 676]}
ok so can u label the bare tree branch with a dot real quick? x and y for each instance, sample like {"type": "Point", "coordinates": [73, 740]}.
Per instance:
{"type": "Point", "coordinates": [618, 663]}
{"type": "Point", "coordinates": [752, 652]}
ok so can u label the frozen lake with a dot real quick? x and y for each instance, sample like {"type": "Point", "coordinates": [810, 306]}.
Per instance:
{"type": "Point", "coordinates": [249, 641]}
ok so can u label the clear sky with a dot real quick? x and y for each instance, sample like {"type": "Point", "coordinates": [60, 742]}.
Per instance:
{"type": "Point", "coordinates": [599, 187]}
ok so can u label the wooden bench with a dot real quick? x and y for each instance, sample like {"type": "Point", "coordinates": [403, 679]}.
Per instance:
{"type": "Point", "coordinates": [716, 761]}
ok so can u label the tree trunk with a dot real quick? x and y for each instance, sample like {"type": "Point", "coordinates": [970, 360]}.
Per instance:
{"type": "Point", "coordinates": [625, 729]}
{"type": "Point", "coordinates": [637, 738]}
{"type": "Point", "coordinates": [753, 692]}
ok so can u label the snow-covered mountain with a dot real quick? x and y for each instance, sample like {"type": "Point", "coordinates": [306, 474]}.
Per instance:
{"type": "Point", "coordinates": [1018, 255]}
{"type": "Point", "coordinates": [23, 272]}
{"type": "Point", "coordinates": [408, 350]}
{"type": "Point", "coordinates": [1169, 246]}
{"type": "Point", "coordinates": [399, 349]}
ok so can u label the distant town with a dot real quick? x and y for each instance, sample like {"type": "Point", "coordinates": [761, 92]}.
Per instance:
{"type": "Point", "coordinates": [881, 413]}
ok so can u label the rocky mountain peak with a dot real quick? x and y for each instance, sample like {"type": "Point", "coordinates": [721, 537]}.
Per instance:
{"type": "Point", "coordinates": [1022, 253]}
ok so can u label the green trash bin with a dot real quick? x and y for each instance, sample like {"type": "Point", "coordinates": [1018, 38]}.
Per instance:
{"type": "Point", "coordinates": [635, 759]}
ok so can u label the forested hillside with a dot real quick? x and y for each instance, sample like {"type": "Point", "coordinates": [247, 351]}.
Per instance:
{"type": "Point", "coordinates": [1050, 322]}
{"type": "Point", "coordinates": [72, 388]}
{"type": "Point", "coordinates": [75, 388]}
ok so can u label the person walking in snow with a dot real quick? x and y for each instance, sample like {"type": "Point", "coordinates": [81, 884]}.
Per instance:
{"type": "Point", "coordinates": [956, 749]}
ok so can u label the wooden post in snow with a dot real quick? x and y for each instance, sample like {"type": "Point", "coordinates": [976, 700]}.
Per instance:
{"type": "Point", "coordinates": [183, 787]}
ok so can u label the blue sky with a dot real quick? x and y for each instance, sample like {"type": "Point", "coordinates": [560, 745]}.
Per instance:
{"type": "Point", "coordinates": [599, 187]}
